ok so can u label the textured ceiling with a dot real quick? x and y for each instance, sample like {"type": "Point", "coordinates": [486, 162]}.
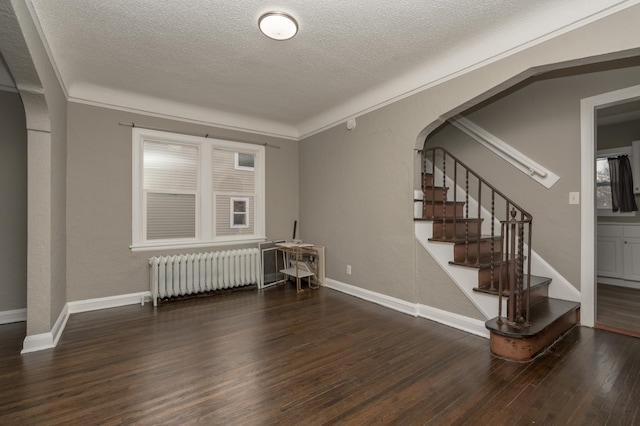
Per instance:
{"type": "Point", "coordinates": [205, 60]}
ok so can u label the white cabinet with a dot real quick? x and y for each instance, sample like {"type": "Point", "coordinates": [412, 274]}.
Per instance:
{"type": "Point", "coordinates": [631, 259]}
{"type": "Point", "coordinates": [609, 257]}
{"type": "Point", "coordinates": [618, 251]}
{"type": "Point", "coordinates": [631, 250]}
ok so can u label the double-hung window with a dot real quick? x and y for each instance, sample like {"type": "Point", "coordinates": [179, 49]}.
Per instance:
{"type": "Point", "coordinates": [239, 212]}
{"type": "Point", "coordinates": [195, 191]}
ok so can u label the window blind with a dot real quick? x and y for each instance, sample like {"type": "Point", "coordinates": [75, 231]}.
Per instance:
{"type": "Point", "coordinates": [170, 183]}
{"type": "Point", "coordinates": [169, 167]}
{"type": "Point", "coordinates": [171, 216]}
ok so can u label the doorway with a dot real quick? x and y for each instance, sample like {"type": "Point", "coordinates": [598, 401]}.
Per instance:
{"type": "Point", "coordinates": [592, 108]}
{"type": "Point", "coordinates": [13, 211]}
{"type": "Point", "coordinates": [617, 234]}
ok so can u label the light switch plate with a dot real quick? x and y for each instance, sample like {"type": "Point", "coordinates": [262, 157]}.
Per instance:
{"type": "Point", "coordinates": [574, 198]}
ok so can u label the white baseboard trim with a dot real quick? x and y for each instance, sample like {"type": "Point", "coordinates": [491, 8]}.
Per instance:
{"type": "Point", "coordinates": [560, 287]}
{"type": "Point", "coordinates": [108, 302]}
{"type": "Point", "coordinates": [372, 296]}
{"type": "Point", "coordinates": [619, 282]}
{"type": "Point", "coordinates": [15, 315]}
{"type": "Point", "coordinates": [469, 325]}
{"type": "Point", "coordinates": [460, 322]}
{"type": "Point", "coordinates": [38, 342]}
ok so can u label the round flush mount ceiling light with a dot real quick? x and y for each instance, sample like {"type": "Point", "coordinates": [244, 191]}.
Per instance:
{"type": "Point", "coordinates": [278, 25]}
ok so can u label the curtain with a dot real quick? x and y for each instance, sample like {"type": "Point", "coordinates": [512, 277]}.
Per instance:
{"type": "Point", "coordinates": [622, 196]}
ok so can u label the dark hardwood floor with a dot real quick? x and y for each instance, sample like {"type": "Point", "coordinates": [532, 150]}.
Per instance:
{"type": "Point", "coordinates": [618, 309]}
{"type": "Point", "coordinates": [318, 357]}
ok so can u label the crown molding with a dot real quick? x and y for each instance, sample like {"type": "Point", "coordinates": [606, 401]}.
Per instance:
{"type": "Point", "coordinates": [185, 114]}
{"type": "Point", "coordinates": [416, 81]}
{"type": "Point", "coordinates": [407, 86]}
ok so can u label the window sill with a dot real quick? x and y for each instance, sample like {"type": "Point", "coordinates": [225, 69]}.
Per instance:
{"type": "Point", "coordinates": [189, 245]}
{"type": "Point", "coordinates": [609, 213]}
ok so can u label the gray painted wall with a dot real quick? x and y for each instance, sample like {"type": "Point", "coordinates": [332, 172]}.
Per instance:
{"type": "Point", "coordinates": [100, 262]}
{"type": "Point", "coordinates": [441, 292]}
{"type": "Point", "coordinates": [356, 187]}
{"type": "Point", "coordinates": [541, 120]}
{"type": "Point", "coordinates": [348, 204]}
{"type": "Point", "coordinates": [13, 209]}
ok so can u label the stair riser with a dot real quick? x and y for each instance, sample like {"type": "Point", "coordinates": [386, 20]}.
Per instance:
{"type": "Point", "coordinates": [437, 194]}
{"type": "Point", "coordinates": [459, 252]}
{"type": "Point", "coordinates": [438, 210]}
{"type": "Point", "coordinates": [537, 294]}
{"type": "Point", "coordinates": [484, 277]}
{"type": "Point", "coordinates": [427, 180]}
{"type": "Point", "coordinates": [449, 231]}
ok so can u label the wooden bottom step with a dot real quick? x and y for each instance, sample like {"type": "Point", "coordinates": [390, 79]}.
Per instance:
{"type": "Point", "coordinates": [553, 318]}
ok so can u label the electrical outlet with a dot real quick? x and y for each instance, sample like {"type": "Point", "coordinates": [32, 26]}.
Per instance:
{"type": "Point", "coordinates": [348, 269]}
{"type": "Point", "coordinates": [574, 198]}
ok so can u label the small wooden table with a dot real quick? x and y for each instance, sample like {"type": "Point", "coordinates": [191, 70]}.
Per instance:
{"type": "Point", "coordinates": [295, 266]}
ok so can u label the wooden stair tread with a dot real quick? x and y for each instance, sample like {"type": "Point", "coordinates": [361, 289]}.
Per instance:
{"type": "Point", "coordinates": [475, 240]}
{"type": "Point", "coordinates": [436, 202]}
{"type": "Point", "coordinates": [441, 240]}
{"type": "Point", "coordinates": [451, 219]}
{"type": "Point", "coordinates": [485, 262]}
{"type": "Point", "coordinates": [544, 314]}
{"type": "Point", "coordinates": [536, 281]}
{"type": "Point", "coordinates": [461, 240]}
{"type": "Point", "coordinates": [439, 202]}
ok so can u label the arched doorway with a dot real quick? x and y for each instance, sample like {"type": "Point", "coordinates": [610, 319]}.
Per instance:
{"type": "Point", "coordinates": [13, 212]}
{"type": "Point", "coordinates": [589, 106]}
{"type": "Point", "coordinates": [18, 54]}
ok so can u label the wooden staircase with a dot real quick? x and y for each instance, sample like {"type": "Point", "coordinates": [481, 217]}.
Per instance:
{"type": "Point", "coordinates": [533, 320]}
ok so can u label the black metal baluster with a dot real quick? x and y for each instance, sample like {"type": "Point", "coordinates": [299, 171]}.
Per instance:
{"type": "Point", "coordinates": [500, 281]}
{"type": "Point", "coordinates": [433, 184]}
{"type": "Point", "coordinates": [528, 319]}
{"type": "Point", "coordinates": [444, 192]}
{"type": "Point", "coordinates": [455, 194]}
{"type": "Point", "coordinates": [492, 286]}
{"type": "Point", "coordinates": [479, 223]}
{"type": "Point", "coordinates": [513, 290]}
{"type": "Point", "coordinates": [466, 216]}
{"type": "Point", "coordinates": [520, 277]}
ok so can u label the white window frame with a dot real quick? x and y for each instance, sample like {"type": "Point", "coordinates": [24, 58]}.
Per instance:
{"type": "Point", "coordinates": [205, 205]}
{"type": "Point", "coordinates": [233, 213]}
{"type": "Point", "coordinates": [614, 152]}
{"type": "Point", "coordinates": [237, 162]}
